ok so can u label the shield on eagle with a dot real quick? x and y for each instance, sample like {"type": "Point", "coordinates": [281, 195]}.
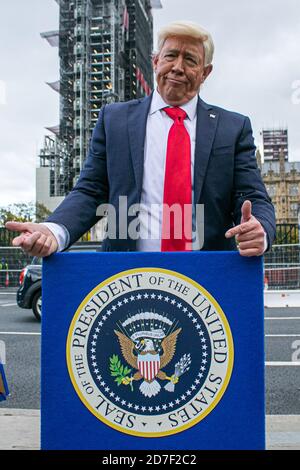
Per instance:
{"type": "Point", "coordinates": [149, 365]}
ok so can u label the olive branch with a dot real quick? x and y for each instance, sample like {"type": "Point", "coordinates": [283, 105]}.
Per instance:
{"type": "Point", "coordinates": [118, 370]}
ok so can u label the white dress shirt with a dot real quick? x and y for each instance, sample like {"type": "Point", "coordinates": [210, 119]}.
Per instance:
{"type": "Point", "coordinates": [157, 130]}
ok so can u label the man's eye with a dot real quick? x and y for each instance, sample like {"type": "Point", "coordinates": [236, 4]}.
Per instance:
{"type": "Point", "coordinates": [170, 55]}
{"type": "Point", "coordinates": [191, 60]}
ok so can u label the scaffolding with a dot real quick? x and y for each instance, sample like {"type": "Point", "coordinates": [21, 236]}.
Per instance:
{"type": "Point", "coordinates": [275, 142]}
{"type": "Point", "coordinates": [105, 55]}
{"type": "Point", "coordinates": [139, 72]}
{"type": "Point", "coordinates": [54, 155]}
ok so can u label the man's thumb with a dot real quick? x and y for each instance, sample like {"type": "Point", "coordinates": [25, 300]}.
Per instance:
{"type": "Point", "coordinates": [246, 211]}
{"type": "Point", "coordinates": [16, 226]}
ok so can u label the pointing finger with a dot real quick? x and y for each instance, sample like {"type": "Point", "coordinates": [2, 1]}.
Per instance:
{"type": "Point", "coordinates": [240, 229]}
{"type": "Point", "coordinates": [16, 226]}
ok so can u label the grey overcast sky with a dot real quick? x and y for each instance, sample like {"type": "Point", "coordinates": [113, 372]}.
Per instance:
{"type": "Point", "coordinates": [256, 72]}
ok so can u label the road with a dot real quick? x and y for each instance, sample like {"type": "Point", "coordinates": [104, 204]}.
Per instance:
{"type": "Point", "coordinates": [22, 353]}
{"type": "Point", "coordinates": [21, 334]}
{"type": "Point", "coordinates": [282, 354]}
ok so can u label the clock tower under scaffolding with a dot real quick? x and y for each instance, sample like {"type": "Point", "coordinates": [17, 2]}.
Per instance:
{"type": "Point", "coordinates": [105, 49]}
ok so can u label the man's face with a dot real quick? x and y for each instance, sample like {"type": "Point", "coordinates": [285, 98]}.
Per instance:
{"type": "Point", "coordinates": [179, 69]}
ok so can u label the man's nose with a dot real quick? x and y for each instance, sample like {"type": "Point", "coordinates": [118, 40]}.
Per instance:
{"type": "Point", "coordinates": [178, 65]}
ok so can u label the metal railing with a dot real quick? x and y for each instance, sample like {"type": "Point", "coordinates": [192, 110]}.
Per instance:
{"type": "Point", "coordinates": [282, 267]}
{"type": "Point", "coordinates": [12, 261]}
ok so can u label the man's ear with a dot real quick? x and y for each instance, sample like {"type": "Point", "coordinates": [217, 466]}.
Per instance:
{"type": "Point", "coordinates": [154, 61]}
{"type": "Point", "coordinates": [207, 70]}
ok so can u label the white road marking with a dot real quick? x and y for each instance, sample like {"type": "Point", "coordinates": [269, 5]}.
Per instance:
{"type": "Point", "coordinates": [8, 305]}
{"type": "Point", "coordinates": [8, 293]}
{"type": "Point", "coordinates": [282, 363]}
{"type": "Point", "coordinates": [19, 333]}
{"type": "Point", "coordinates": [282, 318]}
{"type": "Point", "coordinates": [281, 336]}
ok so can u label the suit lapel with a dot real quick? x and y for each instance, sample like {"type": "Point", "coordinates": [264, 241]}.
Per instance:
{"type": "Point", "coordinates": [207, 120]}
{"type": "Point", "coordinates": [137, 121]}
{"type": "Point", "coordinates": [205, 133]}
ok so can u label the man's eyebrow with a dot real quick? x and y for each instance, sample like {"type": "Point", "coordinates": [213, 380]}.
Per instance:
{"type": "Point", "coordinates": [187, 53]}
{"type": "Point", "coordinates": [176, 51]}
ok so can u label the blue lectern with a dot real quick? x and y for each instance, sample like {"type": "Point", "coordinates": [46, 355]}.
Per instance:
{"type": "Point", "coordinates": [152, 351]}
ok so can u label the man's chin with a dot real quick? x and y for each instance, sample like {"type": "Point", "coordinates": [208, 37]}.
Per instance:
{"type": "Point", "coordinates": [174, 99]}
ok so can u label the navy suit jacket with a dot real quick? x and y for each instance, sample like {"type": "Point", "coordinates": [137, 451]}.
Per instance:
{"type": "Point", "coordinates": [225, 173]}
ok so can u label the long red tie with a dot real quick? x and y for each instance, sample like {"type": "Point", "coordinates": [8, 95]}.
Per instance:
{"type": "Point", "coordinates": [177, 223]}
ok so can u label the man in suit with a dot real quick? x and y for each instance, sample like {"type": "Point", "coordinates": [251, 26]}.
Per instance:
{"type": "Point", "coordinates": [169, 148]}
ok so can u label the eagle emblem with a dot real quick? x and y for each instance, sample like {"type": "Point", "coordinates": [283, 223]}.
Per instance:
{"type": "Point", "coordinates": [148, 344]}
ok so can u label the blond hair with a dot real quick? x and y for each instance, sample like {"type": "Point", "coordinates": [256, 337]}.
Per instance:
{"type": "Point", "coordinates": [188, 29]}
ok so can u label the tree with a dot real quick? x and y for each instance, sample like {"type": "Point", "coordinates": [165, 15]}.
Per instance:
{"type": "Point", "coordinates": [41, 212]}
{"type": "Point", "coordinates": [23, 212]}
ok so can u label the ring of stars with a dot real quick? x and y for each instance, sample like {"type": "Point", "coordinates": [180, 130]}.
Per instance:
{"type": "Point", "coordinates": [189, 392]}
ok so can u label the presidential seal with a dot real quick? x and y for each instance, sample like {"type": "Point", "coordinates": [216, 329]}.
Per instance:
{"type": "Point", "coordinates": [150, 352]}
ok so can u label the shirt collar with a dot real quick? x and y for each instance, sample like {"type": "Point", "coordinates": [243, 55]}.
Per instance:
{"type": "Point", "coordinates": [158, 103]}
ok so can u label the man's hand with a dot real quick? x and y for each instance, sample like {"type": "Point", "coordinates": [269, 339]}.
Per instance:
{"type": "Point", "coordinates": [250, 234]}
{"type": "Point", "coordinates": [35, 239]}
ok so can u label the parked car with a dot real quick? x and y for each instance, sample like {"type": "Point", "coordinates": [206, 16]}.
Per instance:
{"type": "Point", "coordinates": [29, 294]}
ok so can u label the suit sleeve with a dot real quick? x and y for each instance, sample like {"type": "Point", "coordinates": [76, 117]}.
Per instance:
{"type": "Point", "coordinates": [77, 212]}
{"type": "Point", "coordinates": [248, 184]}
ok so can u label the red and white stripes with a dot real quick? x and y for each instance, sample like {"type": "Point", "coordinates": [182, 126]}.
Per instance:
{"type": "Point", "coordinates": [148, 368]}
